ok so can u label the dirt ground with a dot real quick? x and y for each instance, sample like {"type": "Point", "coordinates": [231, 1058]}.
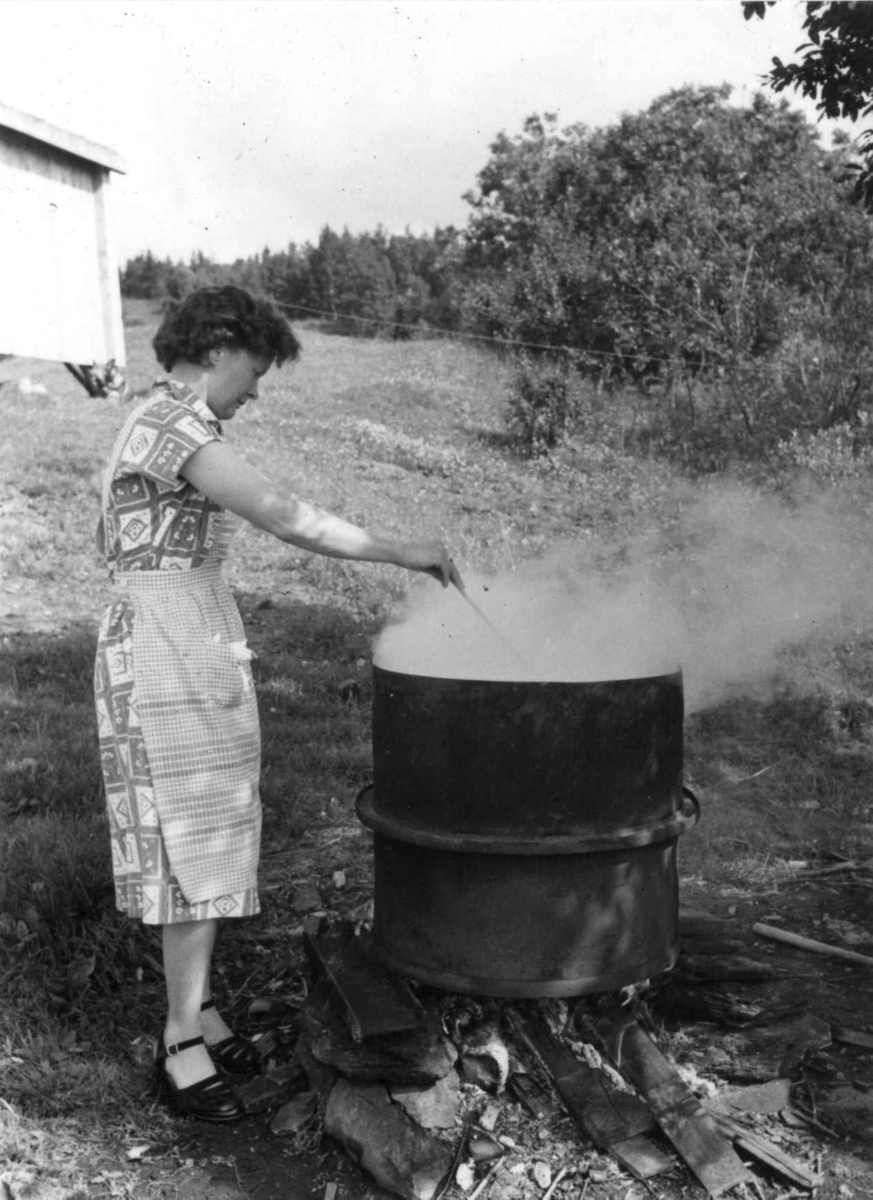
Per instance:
{"type": "Point", "coordinates": [832, 1085]}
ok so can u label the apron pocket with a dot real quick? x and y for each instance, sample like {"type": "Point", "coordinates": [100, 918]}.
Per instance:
{"type": "Point", "coordinates": [221, 671]}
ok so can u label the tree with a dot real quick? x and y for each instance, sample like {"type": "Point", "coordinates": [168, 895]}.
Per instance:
{"type": "Point", "coordinates": [423, 271]}
{"type": "Point", "coordinates": [142, 277]}
{"type": "Point", "coordinates": [835, 69]}
{"type": "Point", "coordinates": [674, 236]}
{"type": "Point", "coordinates": [681, 247]}
{"type": "Point", "coordinates": [353, 278]}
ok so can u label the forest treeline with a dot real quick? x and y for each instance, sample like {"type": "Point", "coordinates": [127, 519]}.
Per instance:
{"type": "Point", "coordinates": [704, 256]}
{"type": "Point", "coordinates": [366, 284]}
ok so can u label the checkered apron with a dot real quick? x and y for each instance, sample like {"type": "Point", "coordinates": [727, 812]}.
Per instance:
{"type": "Point", "coordinates": [193, 696]}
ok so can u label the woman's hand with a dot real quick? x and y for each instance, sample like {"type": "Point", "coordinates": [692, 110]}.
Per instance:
{"type": "Point", "coordinates": [433, 559]}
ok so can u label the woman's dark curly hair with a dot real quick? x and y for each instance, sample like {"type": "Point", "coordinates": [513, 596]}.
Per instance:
{"type": "Point", "coordinates": [228, 316]}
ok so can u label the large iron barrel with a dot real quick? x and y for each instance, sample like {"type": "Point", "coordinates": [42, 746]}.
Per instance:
{"type": "Point", "coordinates": [525, 833]}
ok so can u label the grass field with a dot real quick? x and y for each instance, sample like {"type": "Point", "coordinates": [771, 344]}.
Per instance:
{"type": "Point", "coordinates": [406, 437]}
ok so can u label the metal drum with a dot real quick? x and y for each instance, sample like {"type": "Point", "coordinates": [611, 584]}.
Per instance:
{"type": "Point", "coordinates": [526, 833]}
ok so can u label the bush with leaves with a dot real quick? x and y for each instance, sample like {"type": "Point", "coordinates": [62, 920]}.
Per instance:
{"type": "Point", "coordinates": [678, 251]}
{"type": "Point", "coordinates": [542, 404]}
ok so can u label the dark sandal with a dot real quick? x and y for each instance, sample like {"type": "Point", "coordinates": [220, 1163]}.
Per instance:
{"type": "Point", "coordinates": [210, 1099]}
{"type": "Point", "coordinates": [234, 1054]}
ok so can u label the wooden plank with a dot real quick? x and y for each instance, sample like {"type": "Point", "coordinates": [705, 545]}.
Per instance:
{"type": "Point", "coordinates": [374, 1001]}
{"type": "Point", "coordinates": [852, 1037]}
{"type": "Point", "coordinates": [614, 1120]}
{"type": "Point", "coordinates": [526, 1091]}
{"type": "Point", "coordinates": [61, 139]}
{"type": "Point", "coordinates": [769, 1154]}
{"type": "Point", "coordinates": [107, 273]}
{"type": "Point", "coordinates": [680, 1114]}
{"type": "Point", "coordinates": [641, 1157]}
{"type": "Point", "coordinates": [606, 1113]}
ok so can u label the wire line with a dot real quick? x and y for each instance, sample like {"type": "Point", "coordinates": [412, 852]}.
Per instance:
{"type": "Point", "coordinates": [458, 334]}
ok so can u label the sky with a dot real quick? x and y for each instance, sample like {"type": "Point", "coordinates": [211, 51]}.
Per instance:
{"type": "Point", "coordinates": [248, 124]}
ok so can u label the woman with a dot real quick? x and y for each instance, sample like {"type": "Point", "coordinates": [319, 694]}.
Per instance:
{"type": "Point", "coordinates": [179, 734]}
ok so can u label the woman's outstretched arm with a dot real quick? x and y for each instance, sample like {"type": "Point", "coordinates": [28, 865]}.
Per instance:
{"type": "Point", "coordinates": [223, 475]}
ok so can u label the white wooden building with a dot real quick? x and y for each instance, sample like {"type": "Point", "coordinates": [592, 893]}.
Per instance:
{"type": "Point", "coordinates": [59, 290]}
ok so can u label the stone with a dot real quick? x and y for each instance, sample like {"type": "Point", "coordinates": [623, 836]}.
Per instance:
{"type": "Point", "coordinates": [435, 1107]}
{"type": "Point", "coordinates": [417, 1057]}
{"type": "Point", "coordinates": [287, 1074]}
{"type": "Point", "coordinates": [306, 899]}
{"type": "Point", "coordinates": [259, 1094]}
{"type": "Point", "coordinates": [488, 1117]}
{"type": "Point", "coordinates": [465, 1177]}
{"type": "Point", "coordinates": [296, 1113]}
{"type": "Point", "coordinates": [483, 1149]}
{"type": "Point", "coordinates": [770, 1097]}
{"type": "Point", "coordinates": [266, 1043]}
{"type": "Point", "coordinates": [399, 1155]}
{"type": "Point", "coordinates": [319, 1077]}
{"type": "Point", "coordinates": [542, 1173]}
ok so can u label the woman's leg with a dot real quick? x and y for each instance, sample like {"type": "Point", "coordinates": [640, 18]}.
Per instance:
{"type": "Point", "coordinates": [215, 1028]}
{"type": "Point", "coordinates": [187, 961]}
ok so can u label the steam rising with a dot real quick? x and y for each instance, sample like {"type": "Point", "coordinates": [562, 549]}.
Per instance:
{"type": "Point", "coordinates": [741, 577]}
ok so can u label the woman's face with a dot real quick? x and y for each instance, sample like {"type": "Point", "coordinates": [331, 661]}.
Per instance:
{"type": "Point", "coordinates": [233, 379]}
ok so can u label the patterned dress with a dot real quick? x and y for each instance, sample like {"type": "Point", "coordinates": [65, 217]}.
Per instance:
{"type": "Point", "coordinates": [177, 717]}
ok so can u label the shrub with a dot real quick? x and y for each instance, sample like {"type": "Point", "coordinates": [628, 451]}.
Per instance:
{"type": "Point", "coordinates": [543, 404]}
{"type": "Point", "coordinates": [841, 454]}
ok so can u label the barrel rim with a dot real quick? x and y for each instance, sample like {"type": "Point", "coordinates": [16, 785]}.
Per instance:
{"type": "Point", "coordinates": [519, 989]}
{"type": "Point", "coordinates": [664, 677]}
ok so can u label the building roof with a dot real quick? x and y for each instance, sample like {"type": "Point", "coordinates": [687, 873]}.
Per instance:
{"type": "Point", "coordinates": [61, 139]}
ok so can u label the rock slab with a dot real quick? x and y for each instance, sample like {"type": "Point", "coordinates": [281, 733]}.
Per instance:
{"type": "Point", "coordinates": [400, 1155]}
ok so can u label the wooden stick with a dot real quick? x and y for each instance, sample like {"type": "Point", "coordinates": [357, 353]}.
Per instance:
{"type": "Point", "coordinates": [816, 1124]}
{"type": "Point", "coordinates": [497, 633]}
{"type": "Point", "coordinates": [480, 1187]}
{"type": "Point", "coordinates": [818, 872]}
{"type": "Point", "coordinates": [804, 943]}
{"type": "Point", "coordinates": [562, 1174]}
{"type": "Point", "coordinates": [449, 1177]}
